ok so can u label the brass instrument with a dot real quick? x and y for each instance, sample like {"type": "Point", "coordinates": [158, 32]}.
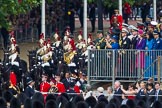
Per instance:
{"type": "Point", "coordinates": [68, 56]}
{"type": "Point", "coordinates": [47, 57]}
{"type": "Point", "coordinates": [53, 89]}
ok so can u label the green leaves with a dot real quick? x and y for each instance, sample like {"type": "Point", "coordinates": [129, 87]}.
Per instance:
{"type": "Point", "coordinates": [13, 7]}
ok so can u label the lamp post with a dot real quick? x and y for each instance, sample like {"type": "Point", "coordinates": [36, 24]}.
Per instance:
{"type": "Point", "coordinates": [154, 5]}
{"type": "Point", "coordinates": [43, 18]}
{"type": "Point", "coordinates": [85, 20]}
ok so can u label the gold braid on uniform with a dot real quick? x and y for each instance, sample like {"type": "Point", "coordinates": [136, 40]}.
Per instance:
{"type": "Point", "coordinates": [98, 43]}
{"type": "Point", "coordinates": [16, 88]}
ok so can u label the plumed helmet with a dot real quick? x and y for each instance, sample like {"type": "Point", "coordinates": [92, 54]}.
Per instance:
{"type": "Point", "coordinates": [13, 79]}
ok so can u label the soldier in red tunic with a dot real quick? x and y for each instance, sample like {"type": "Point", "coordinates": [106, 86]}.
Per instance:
{"type": "Point", "coordinates": [44, 86]}
{"type": "Point", "coordinates": [116, 20]}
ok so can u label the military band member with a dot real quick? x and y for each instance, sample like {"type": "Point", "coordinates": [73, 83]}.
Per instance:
{"type": "Point", "coordinates": [57, 42]}
{"type": "Point", "coordinates": [80, 42]}
{"type": "Point", "coordinates": [44, 86]}
{"type": "Point", "coordinates": [14, 54]}
{"type": "Point", "coordinates": [13, 88]}
{"type": "Point", "coordinates": [41, 40]}
{"type": "Point", "coordinates": [56, 84]}
{"type": "Point", "coordinates": [100, 41]}
{"type": "Point", "coordinates": [47, 54]}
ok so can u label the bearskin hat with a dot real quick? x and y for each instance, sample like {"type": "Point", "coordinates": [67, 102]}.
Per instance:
{"type": "Point", "coordinates": [130, 103]}
{"type": "Point", "coordinates": [100, 105]}
{"type": "Point", "coordinates": [82, 104]}
{"type": "Point", "coordinates": [3, 103]}
{"type": "Point", "coordinates": [37, 104]}
{"type": "Point", "coordinates": [77, 99]}
{"type": "Point", "coordinates": [91, 101]}
{"type": "Point", "coordinates": [22, 97]}
{"type": "Point", "coordinates": [111, 105]}
{"type": "Point", "coordinates": [142, 104]}
{"type": "Point", "coordinates": [50, 97]}
{"type": "Point", "coordinates": [70, 105]}
{"type": "Point", "coordinates": [51, 104]}
{"type": "Point", "coordinates": [38, 96]}
{"type": "Point", "coordinates": [62, 101]}
{"type": "Point", "coordinates": [124, 106]}
{"type": "Point", "coordinates": [7, 95]}
{"type": "Point", "coordinates": [28, 103]}
{"type": "Point", "coordinates": [103, 99]}
{"type": "Point", "coordinates": [15, 103]}
{"type": "Point", "coordinates": [157, 104]}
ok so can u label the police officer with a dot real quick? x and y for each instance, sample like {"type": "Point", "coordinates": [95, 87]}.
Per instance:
{"type": "Point", "coordinates": [157, 43]}
{"type": "Point", "coordinates": [29, 90]}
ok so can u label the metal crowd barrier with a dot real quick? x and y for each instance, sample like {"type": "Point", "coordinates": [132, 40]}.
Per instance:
{"type": "Point", "coordinates": [125, 65]}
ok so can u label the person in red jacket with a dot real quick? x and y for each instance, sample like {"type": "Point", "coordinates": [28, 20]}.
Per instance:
{"type": "Point", "coordinates": [116, 20]}
{"type": "Point", "coordinates": [44, 86]}
{"type": "Point", "coordinates": [59, 85]}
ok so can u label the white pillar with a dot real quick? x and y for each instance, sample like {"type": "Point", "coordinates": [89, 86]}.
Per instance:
{"type": "Point", "coordinates": [85, 21]}
{"type": "Point", "coordinates": [43, 18]}
{"type": "Point", "coordinates": [120, 7]}
{"type": "Point", "coordinates": [154, 6]}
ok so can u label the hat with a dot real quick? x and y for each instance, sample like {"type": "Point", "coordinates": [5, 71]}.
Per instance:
{"type": "Point", "coordinates": [29, 80]}
{"type": "Point", "coordinates": [100, 89]}
{"type": "Point", "coordinates": [99, 31]}
{"type": "Point", "coordinates": [156, 32]}
{"type": "Point", "coordinates": [140, 25]}
{"type": "Point", "coordinates": [124, 30]}
{"type": "Point", "coordinates": [140, 32]}
{"type": "Point", "coordinates": [154, 23]}
{"type": "Point", "coordinates": [132, 27]}
{"type": "Point", "coordinates": [13, 79]}
{"type": "Point", "coordinates": [125, 25]}
{"type": "Point", "coordinates": [116, 31]}
{"type": "Point", "coordinates": [114, 37]}
{"type": "Point", "coordinates": [44, 74]}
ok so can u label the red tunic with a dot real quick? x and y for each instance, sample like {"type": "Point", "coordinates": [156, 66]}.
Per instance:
{"type": "Point", "coordinates": [76, 89]}
{"type": "Point", "coordinates": [44, 87]}
{"type": "Point", "coordinates": [61, 87]}
{"type": "Point", "coordinates": [119, 20]}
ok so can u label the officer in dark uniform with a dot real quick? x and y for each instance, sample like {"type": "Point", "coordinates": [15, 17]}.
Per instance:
{"type": "Point", "coordinates": [125, 44]}
{"type": "Point", "coordinates": [29, 91]}
{"type": "Point", "coordinates": [100, 41]}
{"type": "Point", "coordinates": [66, 81]}
{"type": "Point", "coordinates": [157, 45]}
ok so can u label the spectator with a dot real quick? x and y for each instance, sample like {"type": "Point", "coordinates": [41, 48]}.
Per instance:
{"type": "Point", "coordinates": [110, 93]}
{"type": "Point", "coordinates": [118, 91]}
{"type": "Point", "coordinates": [141, 43]}
{"type": "Point", "coordinates": [148, 54]}
{"type": "Point", "coordinates": [92, 16]}
{"type": "Point", "coordinates": [158, 92]}
{"type": "Point", "coordinates": [127, 12]}
{"type": "Point", "coordinates": [130, 92]}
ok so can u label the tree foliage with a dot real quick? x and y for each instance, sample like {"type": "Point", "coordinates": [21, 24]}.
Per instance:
{"type": "Point", "coordinates": [14, 7]}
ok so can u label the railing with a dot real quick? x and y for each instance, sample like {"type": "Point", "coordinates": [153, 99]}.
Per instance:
{"type": "Point", "coordinates": [125, 65]}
